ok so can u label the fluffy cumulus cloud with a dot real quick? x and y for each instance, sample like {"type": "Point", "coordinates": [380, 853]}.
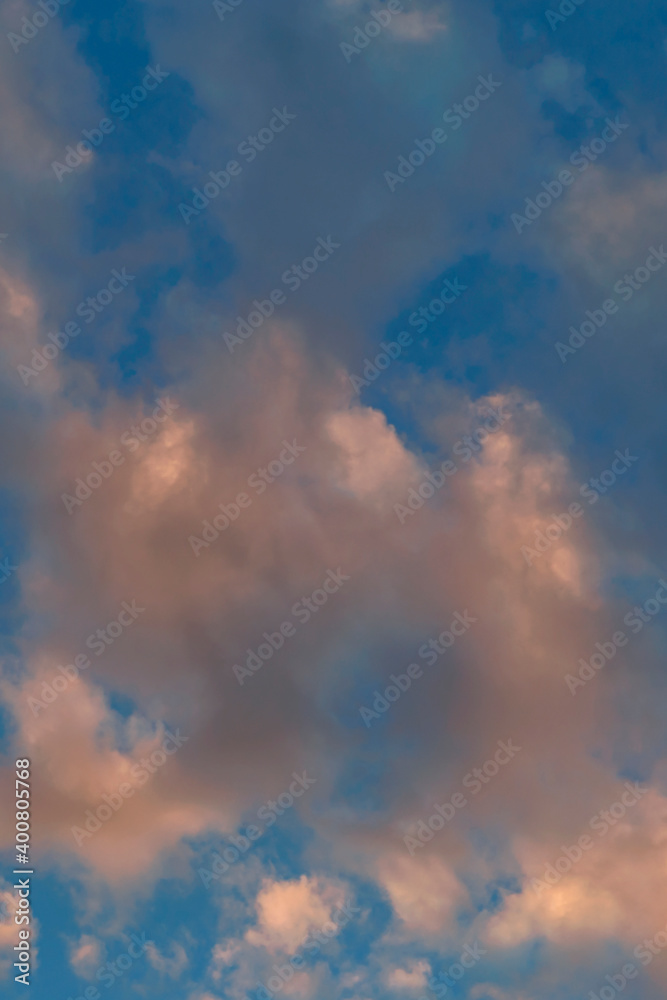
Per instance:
{"type": "Point", "coordinates": [331, 583]}
{"type": "Point", "coordinates": [288, 911]}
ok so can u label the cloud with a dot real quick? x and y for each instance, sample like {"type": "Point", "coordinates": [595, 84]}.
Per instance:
{"type": "Point", "coordinates": [417, 25]}
{"type": "Point", "coordinates": [332, 508]}
{"type": "Point", "coordinates": [21, 334]}
{"type": "Point", "coordinates": [372, 461]}
{"type": "Point", "coordinates": [172, 965]}
{"type": "Point", "coordinates": [424, 893]}
{"type": "Point", "coordinates": [74, 748]}
{"type": "Point", "coordinates": [489, 991]}
{"type": "Point", "coordinates": [409, 980]}
{"type": "Point", "coordinates": [610, 221]}
{"type": "Point", "coordinates": [85, 956]}
{"type": "Point", "coordinates": [9, 930]}
{"type": "Point", "coordinates": [287, 912]}
{"type": "Point", "coordinates": [612, 891]}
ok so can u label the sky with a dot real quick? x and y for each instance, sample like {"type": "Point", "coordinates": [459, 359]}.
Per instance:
{"type": "Point", "coordinates": [333, 558]}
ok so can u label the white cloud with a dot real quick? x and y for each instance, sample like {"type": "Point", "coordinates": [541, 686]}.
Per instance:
{"type": "Point", "coordinates": [289, 911]}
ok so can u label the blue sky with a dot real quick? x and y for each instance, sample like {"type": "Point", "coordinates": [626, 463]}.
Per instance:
{"type": "Point", "coordinates": [425, 214]}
